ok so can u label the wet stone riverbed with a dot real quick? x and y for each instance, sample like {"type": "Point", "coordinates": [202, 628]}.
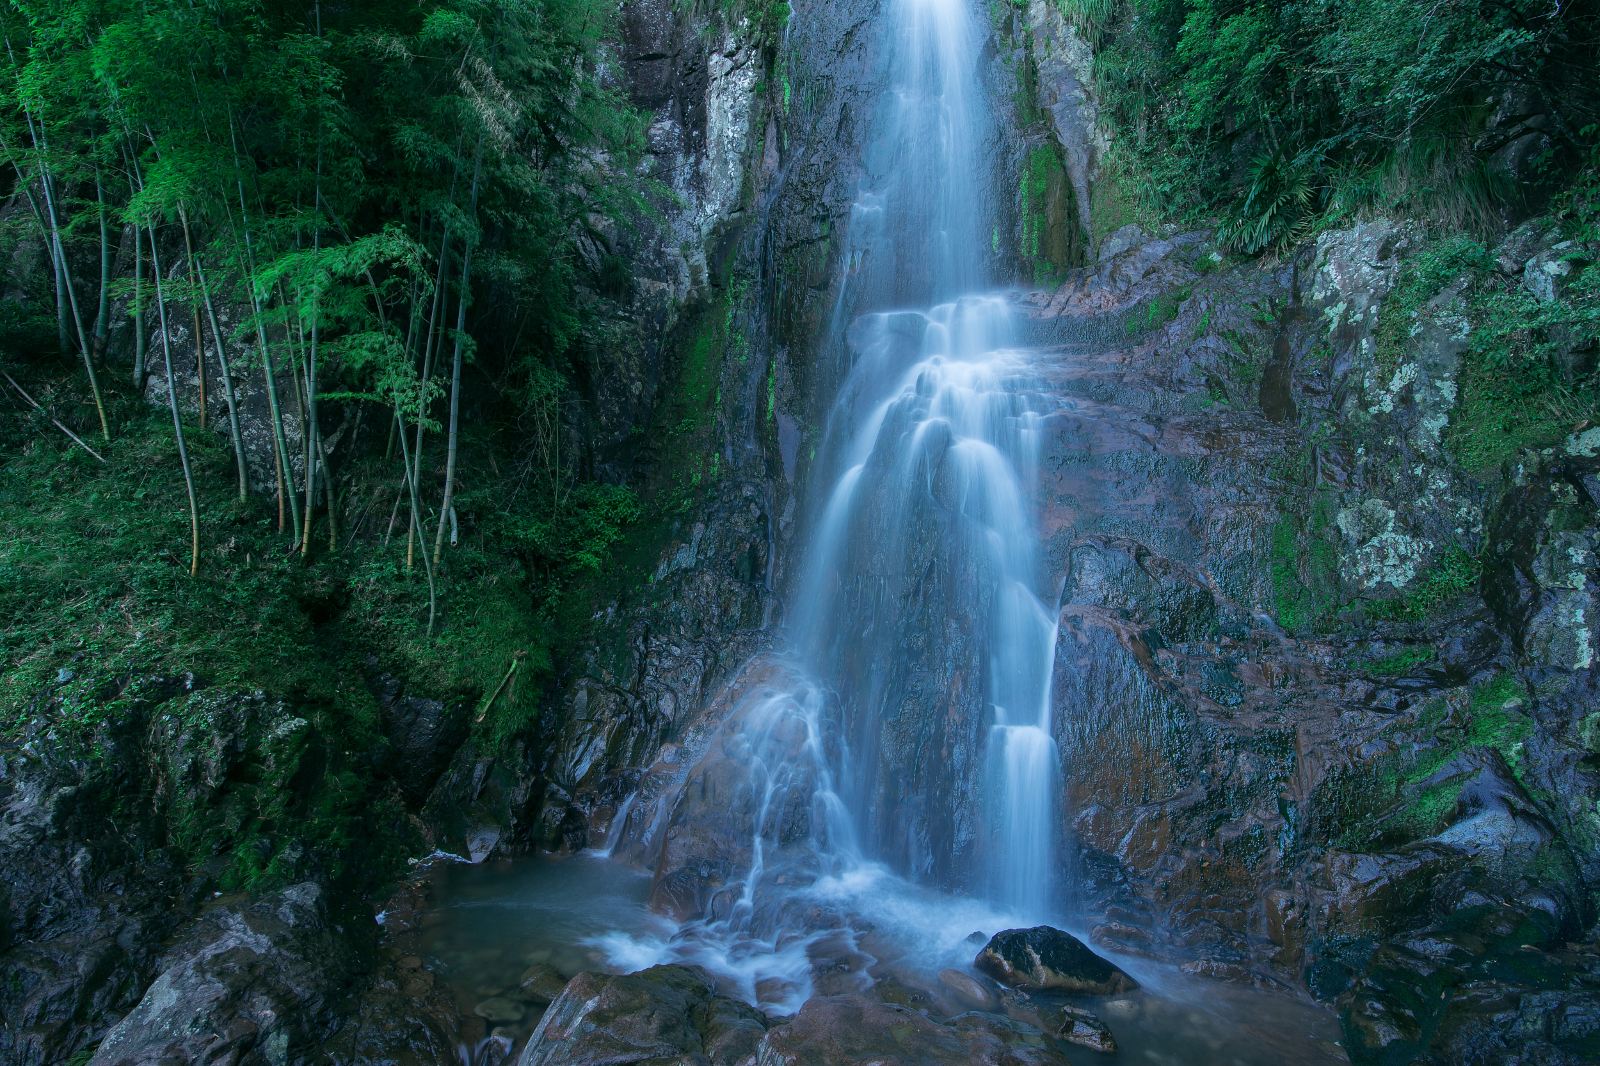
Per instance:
{"type": "Point", "coordinates": [504, 938]}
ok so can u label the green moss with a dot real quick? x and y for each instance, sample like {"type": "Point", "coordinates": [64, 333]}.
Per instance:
{"type": "Point", "coordinates": [1499, 414]}
{"type": "Point", "coordinates": [1456, 574]}
{"type": "Point", "coordinates": [1422, 277]}
{"type": "Point", "coordinates": [1514, 391]}
{"type": "Point", "coordinates": [1399, 663]}
{"type": "Point", "coordinates": [1155, 313]}
{"type": "Point", "coordinates": [1049, 222]}
{"type": "Point", "coordinates": [97, 580]}
{"type": "Point", "coordinates": [1394, 799]}
{"type": "Point", "coordinates": [1304, 569]}
{"type": "Point", "coordinates": [1117, 199]}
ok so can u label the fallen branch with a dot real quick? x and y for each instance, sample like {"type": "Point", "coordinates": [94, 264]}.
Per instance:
{"type": "Point", "coordinates": [516, 660]}
{"type": "Point", "coordinates": [35, 405]}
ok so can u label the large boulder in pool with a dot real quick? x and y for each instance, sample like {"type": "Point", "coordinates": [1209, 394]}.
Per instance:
{"type": "Point", "coordinates": [663, 1016]}
{"type": "Point", "coordinates": [1044, 957]}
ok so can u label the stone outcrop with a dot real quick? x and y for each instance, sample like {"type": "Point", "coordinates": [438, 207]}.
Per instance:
{"type": "Point", "coordinates": [664, 1014]}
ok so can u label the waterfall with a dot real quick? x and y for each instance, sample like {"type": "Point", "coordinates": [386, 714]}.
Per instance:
{"type": "Point", "coordinates": [905, 732]}
{"type": "Point", "coordinates": [930, 463]}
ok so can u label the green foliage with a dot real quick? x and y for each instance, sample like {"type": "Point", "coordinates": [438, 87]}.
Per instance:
{"type": "Point", "coordinates": [1276, 210]}
{"type": "Point", "coordinates": [1089, 17]}
{"type": "Point", "coordinates": [96, 575]}
{"type": "Point", "coordinates": [1520, 385]}
{"type": "Point", "coordinates": [1421, 279]}
{"type": "Point", "coordinates": [1278, 118]}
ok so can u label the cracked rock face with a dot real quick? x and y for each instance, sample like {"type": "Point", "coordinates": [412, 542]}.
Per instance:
{"type": "Point", "coordinates": [257, 982]}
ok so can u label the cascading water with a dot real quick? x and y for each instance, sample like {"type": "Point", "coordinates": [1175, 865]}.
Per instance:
{"type": "Point", "coordinates": [906, 731]}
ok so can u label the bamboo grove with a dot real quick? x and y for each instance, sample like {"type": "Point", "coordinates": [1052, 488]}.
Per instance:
{"type": "Point", "coordinates": [345, 203]}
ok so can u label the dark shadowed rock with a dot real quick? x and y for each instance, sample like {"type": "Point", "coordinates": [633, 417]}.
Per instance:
{"type": "Point", "coordinates": [423, 734]}
{"type": "Point", "coordinates": [1043, 957]}
{"type": "Point", "coordinates": [249, 983]}
{"type": "Point", "coordinates": [663, 1015]}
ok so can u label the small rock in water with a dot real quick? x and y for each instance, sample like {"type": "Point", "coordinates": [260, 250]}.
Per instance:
{"type": "Point", "coordinates": [1081, 1027]}
{"type": "Point", "coordinates": [542, 983]}
{"type": "Point", "coordinates": [1043, 957]}
{"type": "Point", "coordinates": [977, 936]}
{"type": "Point", "coordinates": [968, 989]}
{"type": "Point", "coordinates": [500, 1010]}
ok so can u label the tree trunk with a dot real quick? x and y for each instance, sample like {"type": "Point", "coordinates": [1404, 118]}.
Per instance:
{"type": "Point", "coordinates": [429, 347]}
{"type": "Point", "coordinates": [139, 339]}
{"type": "Point", "coordinates": [177, 419]}
{"type": "Point", "coordinates": [102, 318]}
{"type": "Point", "coordinates": [280, 439]}
{"type": "Point", "coordinates": [455, 370]}
{"type": "Point", "coordinates": [65, 280]}
{"type": "Point", "coordinates": [199, 331]}
{"type": "Point", "coordinates": [313, 433]}
{"type": "Point", "coordinates": [222, 363]}
{"type": "Point", "coordinates": [416, 508]}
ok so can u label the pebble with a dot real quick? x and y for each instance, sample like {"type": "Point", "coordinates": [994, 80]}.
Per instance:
{"type": "Point", "coordinates": [500, 1010]}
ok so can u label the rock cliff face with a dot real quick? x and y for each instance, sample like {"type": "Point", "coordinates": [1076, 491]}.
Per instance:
{"type": "Point", "coordinates": [107, 841]}
{"type": "Point", "coordinates": [1298, 748]}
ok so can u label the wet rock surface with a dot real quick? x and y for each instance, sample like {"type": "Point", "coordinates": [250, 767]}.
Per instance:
{"type": "Point", "coordinates": [106, 858]}
{"type": "Point", "coordinates": [1289, 783]}
{"type": "Point", "coordinates": [860, 1029]}
{"type": "Point", "coordinates": [249, 982]}
{"type": "Point", "coordinates": [1046, 958]}
{"type": "Point", "coordinates": [1076, 1025]}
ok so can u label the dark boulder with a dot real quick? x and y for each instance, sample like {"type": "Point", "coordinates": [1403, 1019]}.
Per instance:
{"type": "Point", "coordinates": [1043, 957]}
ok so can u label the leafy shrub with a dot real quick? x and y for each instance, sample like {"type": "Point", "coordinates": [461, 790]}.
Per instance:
{"type": "Point", "coordinates": [1277, 118]}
